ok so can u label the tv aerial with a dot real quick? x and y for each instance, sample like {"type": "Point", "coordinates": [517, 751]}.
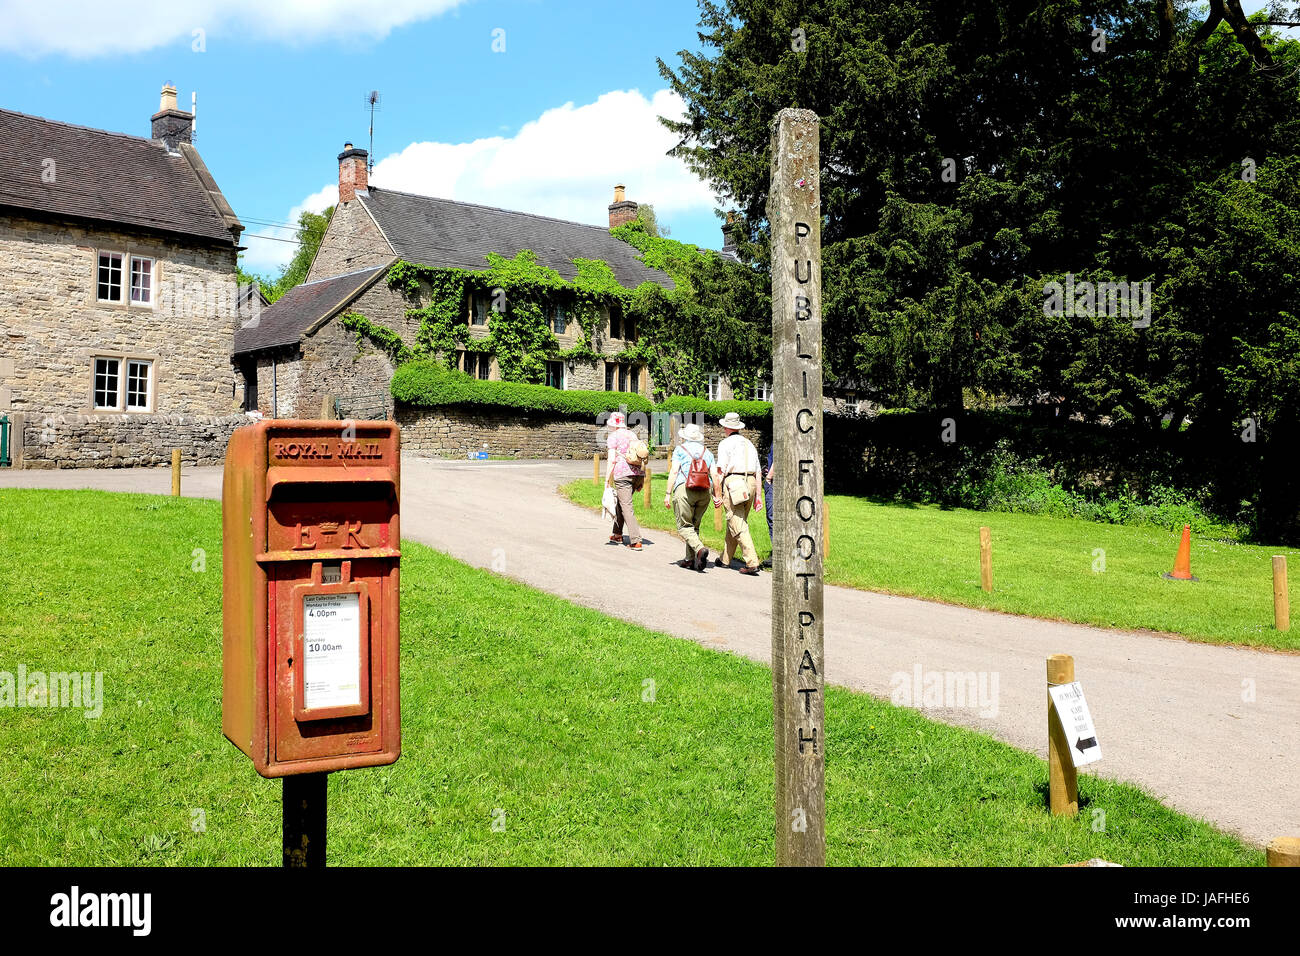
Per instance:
{"type": "Point", "coordinates": [372, 101]}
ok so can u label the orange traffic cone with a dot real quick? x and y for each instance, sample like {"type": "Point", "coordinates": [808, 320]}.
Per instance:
{"type": "Point", "coordinates": [1183, 563]}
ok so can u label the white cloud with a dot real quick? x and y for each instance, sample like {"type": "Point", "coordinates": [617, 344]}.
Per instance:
{"type": "Point", "coordinates": [564, 164]}
{"type": "Point", "coordinates": [85, 28]}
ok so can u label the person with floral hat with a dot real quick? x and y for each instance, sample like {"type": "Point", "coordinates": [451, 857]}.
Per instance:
{"type": "Point", "coordinates": [624, 473]}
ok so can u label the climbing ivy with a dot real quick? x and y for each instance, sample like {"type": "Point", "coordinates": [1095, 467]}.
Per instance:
{"type": "Point", "coordinates": [388, 341]}
{"type": "Point", "coordinates": [715, 318]}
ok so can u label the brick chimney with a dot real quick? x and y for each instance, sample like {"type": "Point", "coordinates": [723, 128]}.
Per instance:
{"type": "Point", "coordinates": [353, 177]}
{"type": "Point", "coordinates": [171, 125]}
{"type": "Point", "coordinates": [622, 209]}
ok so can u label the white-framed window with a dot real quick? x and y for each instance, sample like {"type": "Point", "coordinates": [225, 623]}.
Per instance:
{"type": "Point", "coordinates": [559, 320]}
{"type": "Point", "coordinates": [122, 384]}
{"type": "Point", "coordinates": [139, 385]}
{"type": "Point", "coordinates": [108, 384]}
{"type": "Point", "coordinates": [108, 281]}
{"type": "Point", "coordinates": [763, 390]}
{"type": "Point", "coordinates": [141, 280]}
{"type": "Point", "coordinates": [715, 387]}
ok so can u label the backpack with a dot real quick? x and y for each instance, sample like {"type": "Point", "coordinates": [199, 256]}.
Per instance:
{"type": "Point", "coordinates": [638, 454]}
{"type": "Point", "coordinates": [698, 476]}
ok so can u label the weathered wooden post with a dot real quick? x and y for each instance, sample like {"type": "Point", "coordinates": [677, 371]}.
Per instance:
{"type": "Point", "coordinates": [176, 472]}
{"type": "Point", "coordinates": [826, 530]}
{"type": "Point", "coordinates": [649, 474]}
{"type": "Point", "coordinates": [986, 559]}
{"type": "Point", "coordinates": [595, 469]}
{"type": "Point", "coordinates": [1062, 778]}
{"type": "Point", "coordinates": [1281, 596]}
{"type": "Point", "coordinates": [798, 664]}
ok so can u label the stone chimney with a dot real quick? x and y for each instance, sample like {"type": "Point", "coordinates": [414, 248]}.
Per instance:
{"type": "Point", "coordinates": [622, 209]}
{"type": "Point", "coordinates": [353, 176]}
{"type": "Point", "coordinates": [171, 125]}
{"type": "Point", "coordinates": [732, 230]}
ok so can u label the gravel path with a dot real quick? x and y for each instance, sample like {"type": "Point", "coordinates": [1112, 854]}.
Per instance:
{"type": "Point", "coordinates": [1171, 716]}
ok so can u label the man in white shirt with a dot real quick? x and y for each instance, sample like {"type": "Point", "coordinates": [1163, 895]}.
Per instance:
{"type": "Point", "coordinates": [737, 482]}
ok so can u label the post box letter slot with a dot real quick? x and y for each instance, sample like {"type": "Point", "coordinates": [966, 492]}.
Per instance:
{"type": "Point", "coordinates": [331, 649]}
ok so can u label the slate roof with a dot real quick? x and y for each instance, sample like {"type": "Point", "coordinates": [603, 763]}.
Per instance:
{"type": "Point", "coordinates": [444, 234]}
{"type": "Point", "coordinates": [109, 177]}
{"type": "Point", "coordinates": [301, 308]}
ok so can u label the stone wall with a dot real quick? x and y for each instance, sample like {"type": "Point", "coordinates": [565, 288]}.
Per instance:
{"type": "Point", "coordinates": [352, 241]}
{"type": "Point", "coordinates": [455, 431]}
{"type": "Point", "coordinates": [52, 327]}
{"type": "Point", "coordinates": [123, 441]}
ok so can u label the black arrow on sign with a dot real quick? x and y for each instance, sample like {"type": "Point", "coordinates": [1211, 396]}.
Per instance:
{"type": "Point", "coordinates": [1083, 744]}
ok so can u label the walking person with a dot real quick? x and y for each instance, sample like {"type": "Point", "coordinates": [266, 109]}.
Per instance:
{"type": "Point", "coordinates": [689, 487]}
{"type": "Point", "coordinates": [768, 475]}
{"type": "Point", "coordinates": [624, 472]}
{"type": "Point", "coordinates": [737, 483]}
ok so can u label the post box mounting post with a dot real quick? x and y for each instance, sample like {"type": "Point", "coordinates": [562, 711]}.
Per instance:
{"type": "Point", "coordinates": [305, 801]}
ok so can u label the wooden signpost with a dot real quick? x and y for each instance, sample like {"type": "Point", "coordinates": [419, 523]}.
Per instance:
{"type": "Point", "coordinates": [798, 664]}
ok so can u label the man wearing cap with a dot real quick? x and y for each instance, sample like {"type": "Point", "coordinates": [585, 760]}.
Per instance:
{"type": "Point", "coordinates": [737, 483]}
{"type": "Point", "coordinates": [690, 503]}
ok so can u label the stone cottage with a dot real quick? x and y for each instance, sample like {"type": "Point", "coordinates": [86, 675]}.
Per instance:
{"type": "Point", "coordinates": [118, 297]}
{"type": "Point", "coordinates": [299, 353]}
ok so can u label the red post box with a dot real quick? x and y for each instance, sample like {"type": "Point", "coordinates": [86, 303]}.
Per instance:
{"type": "Point", "coordinates": [310, 652]}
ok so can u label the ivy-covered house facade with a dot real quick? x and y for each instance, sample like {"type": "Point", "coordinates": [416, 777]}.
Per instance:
{"type": "Point", "coordinates": [494, 293]}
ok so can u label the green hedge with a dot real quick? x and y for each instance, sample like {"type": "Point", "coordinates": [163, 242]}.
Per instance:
{"type": "Point", "coordinates": [429, 384]}
{"type": "Point", "coordinates": [687, 403]}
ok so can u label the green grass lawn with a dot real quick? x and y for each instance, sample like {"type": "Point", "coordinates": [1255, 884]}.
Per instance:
{"type": "Point", "coordinates": [512, 701]}
{"type": "Point", "coordinates": [1041, 566]}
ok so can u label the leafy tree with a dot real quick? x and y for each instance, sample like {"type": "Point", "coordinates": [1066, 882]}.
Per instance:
{"type": "Point", "coordinates": [973, 151]}
{"type": "Point", "coordinates": [311, 230]}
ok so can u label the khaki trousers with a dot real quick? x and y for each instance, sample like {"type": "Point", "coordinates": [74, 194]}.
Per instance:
{"type": "Point", "coordinates": [689, 505]}
{"type": "Point", "coordinates": [623, 513]}
{"type": "Point", "coordinates": [738, 520]}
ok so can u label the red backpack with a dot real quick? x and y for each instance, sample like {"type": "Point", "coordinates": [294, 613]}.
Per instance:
{"type": "Point", "coordinates": [698, 476]}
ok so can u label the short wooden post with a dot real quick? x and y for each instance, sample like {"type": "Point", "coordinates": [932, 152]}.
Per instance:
{"type": "Point", "coordinates": [595, 469]}
{"type": "Point", "coordinates": [986, 559]}
{"type": "Point", "coordinates": [649, 476]}
{"type": "Point", "coordinates": [672, 428]}
{"type": "Point", "coordinates": [176, 472]}
{"type": "Point", "coordinates": [1062, 780]}
{"type": "Point", "coordinates": [717, 516]}
{"type": "Point", "coordinates": [1281, 597]}
{"type": "Point", "coordinates": [1284, 851]}
{"type": "Point", "coordinates": [327, 407]}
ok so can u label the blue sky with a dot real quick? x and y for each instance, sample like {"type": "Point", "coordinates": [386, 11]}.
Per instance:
{"type": "Point", "coordinates": [548, 125]}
